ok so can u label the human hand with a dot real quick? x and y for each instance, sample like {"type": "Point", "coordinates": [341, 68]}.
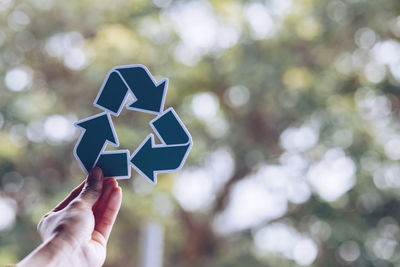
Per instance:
{"type": "Point", "coordinates": [76, 231]}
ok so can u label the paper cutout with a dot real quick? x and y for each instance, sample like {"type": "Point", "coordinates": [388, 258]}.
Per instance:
{"type": "Point", "coordinates": [136, 80]}
{"type": "Point", "coordinates": [149, 158]}
{"type": "Point", "coordinates": [98, 131]}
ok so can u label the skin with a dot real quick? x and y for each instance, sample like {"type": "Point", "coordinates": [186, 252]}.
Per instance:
{"type": "Point", "coordinates": [76, 231]}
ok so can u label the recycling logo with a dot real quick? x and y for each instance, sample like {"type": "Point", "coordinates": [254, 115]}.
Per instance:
{"type": "Point", "coordinates": [149, 158]}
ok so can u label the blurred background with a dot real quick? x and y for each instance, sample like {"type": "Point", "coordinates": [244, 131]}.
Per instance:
{"type": "Point", "coordinates": [293, 106]}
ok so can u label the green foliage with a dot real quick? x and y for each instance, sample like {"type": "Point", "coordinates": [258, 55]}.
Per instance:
{"type": "Point", "coordinates": [331, 66]}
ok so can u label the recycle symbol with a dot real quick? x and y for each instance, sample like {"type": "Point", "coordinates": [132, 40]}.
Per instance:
{"type": "Point", "coordinates": [149, 158]}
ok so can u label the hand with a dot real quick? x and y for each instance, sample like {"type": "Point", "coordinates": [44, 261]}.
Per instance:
{"type": "Point", "coordinates": [76, 231]}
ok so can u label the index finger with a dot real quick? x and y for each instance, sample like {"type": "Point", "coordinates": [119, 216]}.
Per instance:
{"type": "Point", "coordinates": [74, 193]}
{"type": "Point", "coordinates": [105, 220]}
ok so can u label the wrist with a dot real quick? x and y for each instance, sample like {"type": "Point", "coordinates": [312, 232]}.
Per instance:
{"type": "Point", "coordinates": [53, 252]}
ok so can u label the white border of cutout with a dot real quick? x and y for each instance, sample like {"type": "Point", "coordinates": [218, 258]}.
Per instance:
{"type": "Point", "coordinates": [115, 69]}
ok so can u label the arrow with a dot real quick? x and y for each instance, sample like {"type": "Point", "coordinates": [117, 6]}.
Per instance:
{"type": "Point", "coordinates": [135, 79]}
{"type": "Point", "coordinates": [113, 93]}
{"type": "Point", "coordinates": [170, 129]}
{"type": "Point", "coordinates": [150, 159]}
{"type": "Point", "coordinates": [149, 95]}
{"type": "Point", "coordinates": [115, 164]}
{"type": "Point", "coordinates": [97, 132]}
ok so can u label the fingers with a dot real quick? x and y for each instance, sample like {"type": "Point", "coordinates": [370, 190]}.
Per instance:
{"type": "Point", "coordinates": [93, 187]}
{"type": "Point", "coordinates": [106, 216]}
{"type": "Point", "coordinates": [74, 193]}
{"type": "Point", "coordinates": [108, 185]}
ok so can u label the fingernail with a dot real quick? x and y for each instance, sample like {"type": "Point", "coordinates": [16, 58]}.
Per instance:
{"type": "Point", "coordinates": [95, 177]}
{"type": "Point", "coordinates": [115, 195]}
{"type": "Point", "coordinates": [96, 174]}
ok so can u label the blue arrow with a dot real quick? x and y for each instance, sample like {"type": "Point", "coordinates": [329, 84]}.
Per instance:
{"type": "Point", "coordinates": [150, 159]}
{"type": "Point", "coordinates": [170, 128]}
{"type": "Point", "coordinates": [97, 132]}
{"type": "Point", "coordinates": [149, 95]}
{"type": "Point", "coordinates": [115, 164]}
{"type": "Point", "coordinates": [136, 79]}
{"type": "Point", "coordinates": [113, 94]}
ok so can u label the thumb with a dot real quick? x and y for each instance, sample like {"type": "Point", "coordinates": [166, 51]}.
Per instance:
{"type": "Point", "coordinates": [93, 186]}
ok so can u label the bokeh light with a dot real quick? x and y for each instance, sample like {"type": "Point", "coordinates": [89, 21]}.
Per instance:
{"type": "Point", "coordinates": [293, 107]}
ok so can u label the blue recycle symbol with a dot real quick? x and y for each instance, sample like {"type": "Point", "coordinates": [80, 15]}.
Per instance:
{"type": "Point", "coordinates": [149, 158]}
